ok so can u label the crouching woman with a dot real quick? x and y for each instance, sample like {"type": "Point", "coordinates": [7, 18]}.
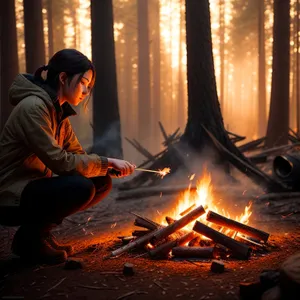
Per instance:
{"type": "Point", "coordinates": [38, 142]}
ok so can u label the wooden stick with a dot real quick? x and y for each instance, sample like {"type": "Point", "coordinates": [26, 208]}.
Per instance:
{"type": "Point", "coordinates": [275, 149]}
{"type": "Point", "coordinates": [178, 224]}
{"type": "Point", "coordinates": [163, 250]}
{"type": "Point", "coordinates": [139, 233]}
{"type": "Point", "coordinates": [238, 249]}
{"type": "Point", "coordinates": [139, 242]}
{"type": "Point", "coordinates": [237, 226]}
{"type": "Point", "coordinates": [188, 210]}
{"type": "Point", "coordinates": [145, 222]}
{"type": "Point", "coordinates": [196, 252]}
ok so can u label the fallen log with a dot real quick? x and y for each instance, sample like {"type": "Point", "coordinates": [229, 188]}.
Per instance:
{"type": "Point", "coordinates": [178, 224]}
{"type": "Point", "coordinates": [277, 196]}
{"type": "Point", "coordinates": [274, 150]}
{"type": "Point", "coordinates": [153, 191]}
{"type": "Point", "coordinates": [251, 145]}
{"type": "Point", "coordinates": [238, 249]}
{"type": "Point", "coordinates": [188, 210]}
{"type": "Point", "coordinates": [193, 252]}
{"type": "Point", "coordinates": [163, 250]}
{"type": "Point", "coordinates": [237, 226]}
{"type": "Point", "coordinates": [252, 172]}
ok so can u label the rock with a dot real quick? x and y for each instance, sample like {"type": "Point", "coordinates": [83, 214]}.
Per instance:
{"type": "Point", "coordinates": [73, 264]}
{"type": "Point", "coordinates": [269, 278]}
{"type": "Point", "coordinates": [217, 266]}
{"type": "Point", "coordinates": [250, 290]}
{"type": "Point", "coordinates": [128, 269]}
{"type": "Point", "coordinates": [272, 294]}
{"type": "Point", "coordinates": [290, 277]}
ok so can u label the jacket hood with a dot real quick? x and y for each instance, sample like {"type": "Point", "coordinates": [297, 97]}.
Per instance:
{"type": "Point", "coordinates": [25, 85]}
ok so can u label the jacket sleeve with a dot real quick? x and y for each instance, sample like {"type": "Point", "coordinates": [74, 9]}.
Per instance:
{"type": "Point", "coordinates": [71, 143]}
{"type": "Point", "coordinates": [34, 128]}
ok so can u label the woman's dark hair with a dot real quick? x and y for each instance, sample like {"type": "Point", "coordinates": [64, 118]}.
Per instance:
{"type": "Point", "coordinates": [70, 61]}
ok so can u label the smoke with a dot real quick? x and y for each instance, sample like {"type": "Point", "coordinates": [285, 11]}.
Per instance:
{"type": "Point", "coordinates": [109, 144]}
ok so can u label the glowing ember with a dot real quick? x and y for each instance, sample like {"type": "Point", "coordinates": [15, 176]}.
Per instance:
{"type": "Point", "coordinates": [164, 172]}
{"type": "Point", "coordinates": [113, 225]}
{"type": "Point", "coordinates": [203, 195]}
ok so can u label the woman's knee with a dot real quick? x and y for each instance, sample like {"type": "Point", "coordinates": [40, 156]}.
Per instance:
{"type": "Point", "coordinates": [102, 183]}
{"type": "Point", "coordinates": [84, 188]}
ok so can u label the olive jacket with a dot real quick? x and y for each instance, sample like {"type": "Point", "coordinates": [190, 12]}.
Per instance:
{"type": "Point", "coordinates": [38, 141]}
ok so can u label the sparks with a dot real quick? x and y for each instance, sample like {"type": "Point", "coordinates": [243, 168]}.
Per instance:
{"type": "Point", "coordinates": [164, 172]}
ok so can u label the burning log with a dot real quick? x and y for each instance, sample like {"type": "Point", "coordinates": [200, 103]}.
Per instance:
{"type": "Point", "coordinates": [188, 210]}
{"type": "Point", "coordinates": [170, 220]}
{"type": "Point", "coordinates": [238, 249]}
{"type": "Point", "coordinates": [145, 222]}
{"type": "Point", "coordinates": [237, 226]}
{"type": "Point", "coordinates": [139, 233]}
{"type": "Point", "coordinates": [178, 224]}
{"type": "Point", "coordinates": [163, 250]}
{"type": "Point", "coordinates": [195, 242]}
{"type": "Point", "coordinates": [193, 252]}
{"type": "Point", "coordinates": [139, 242]}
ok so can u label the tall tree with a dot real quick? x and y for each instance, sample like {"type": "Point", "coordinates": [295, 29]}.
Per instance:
{"type": "Point", "coordinates": [8, 56]}
{"type": "Point", "coordinates": [34, 35]}
{"type": "Point", "coordinates": [262, 117]}
{"type": "Point", "coordinates": [222, 51]}
{"type": "Point", "coordinates": [278, 124]}
{"type": "Point", "coordinates": [50, 27]}
{"type": "Point", "coordinates": [298, 64]}
{"type": "Point", "coordinates": [58, 8]}
{"type": "Point", "coordinates": [156, 70]}
{"type": "Point", "coordinates": [144, 105]}
{"type": "Point", "coordinates": [106, 117]}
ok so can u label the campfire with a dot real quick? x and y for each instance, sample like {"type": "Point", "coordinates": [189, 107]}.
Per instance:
{"type": "Point", "coordinates": [196, 228]}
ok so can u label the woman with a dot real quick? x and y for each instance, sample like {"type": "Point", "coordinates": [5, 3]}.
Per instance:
{"type": "Point", "coordinates": [38, 142]}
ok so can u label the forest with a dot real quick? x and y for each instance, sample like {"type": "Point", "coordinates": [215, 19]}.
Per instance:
{"type": "Point", "coordinates": [139, 49]}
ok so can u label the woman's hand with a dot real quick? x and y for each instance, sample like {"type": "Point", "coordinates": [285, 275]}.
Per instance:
{"type": "Point", "coordinates": [122, 166]}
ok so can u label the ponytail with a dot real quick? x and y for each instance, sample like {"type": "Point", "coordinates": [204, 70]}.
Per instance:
{"type": "Point", "coordinates": [38, 72]}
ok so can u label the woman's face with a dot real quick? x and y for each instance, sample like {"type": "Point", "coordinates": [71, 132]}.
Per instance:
{"type": "Point", "coordinates": [74, 93]}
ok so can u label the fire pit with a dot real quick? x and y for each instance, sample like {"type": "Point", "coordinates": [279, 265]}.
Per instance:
{"type": "Point", "coordinates": [195, 229]}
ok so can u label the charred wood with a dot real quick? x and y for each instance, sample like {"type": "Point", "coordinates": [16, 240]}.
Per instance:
{"type": "Point", "coordinates": [163, 250]}
{"type": "Point", "coordinates": [193, 252]}
{"type": "Point", "coordinates": [251, 145]}
{"type": "Point", "coordinates": [238, 249]}
{"type": "Point", "coordinates": [237, 226]}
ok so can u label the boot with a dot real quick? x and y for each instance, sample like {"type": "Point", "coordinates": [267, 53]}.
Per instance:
{"type": "Point", "coordinates": [31, 245]}
{"type": "Point", "coordinates": [56, 245]}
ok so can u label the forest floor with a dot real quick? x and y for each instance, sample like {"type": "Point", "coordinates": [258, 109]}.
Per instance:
{"type": "Point", "coordinates": [95, 232]}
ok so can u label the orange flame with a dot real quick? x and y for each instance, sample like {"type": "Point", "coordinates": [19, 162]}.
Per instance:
{"type": "Point", "coordinates": [164, 172]}
{"type": "Point", "coordinates": [204, 196]}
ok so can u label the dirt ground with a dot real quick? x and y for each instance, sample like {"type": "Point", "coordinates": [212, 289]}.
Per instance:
{"type": "Point", "coordinates": [95, 232]}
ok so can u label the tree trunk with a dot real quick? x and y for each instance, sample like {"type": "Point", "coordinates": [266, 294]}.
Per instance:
{"type": "Point", "coordinates": [222, 52]}
{"type": "Point", "coordinates": [34, 35]}
{"type": "Point", "coordinates": [106, 117]}
{"type": "Point", "coordinates": [156, 72]}
{"type": "Point", "coordinates": [262, 117]}
{"type": "Point", "coordinates": [144, 111]}
{"type": "Point", "coordinates": [203, 104]}
{"type": "Point", "coordinates": [58, 7]}
{"type": "Point", "coordinates": [278, 125]}
{"type": "Point", "coordinates": [298, 67]}
{"type": "Point", "coordinates": [8, 56]}
{"type": "Point", "coordinates": [50, 28]}
{"type": "Point", "coordinates": [181, 97]}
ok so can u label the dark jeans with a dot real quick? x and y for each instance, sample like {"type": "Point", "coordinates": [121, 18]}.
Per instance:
{"type": "Point", "coordinates": [49, 200]}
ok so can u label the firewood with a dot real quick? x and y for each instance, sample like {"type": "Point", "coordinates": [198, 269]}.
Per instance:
{"type": "Point", "coordinates": [217, 266]}
{"type": "Point", "coordinates": [193, 252]}
{"type": "Point", "coordinates": [195, 242]}
{"type": "Point", "coordinates": [188, 210]}
{"type": "Point", "coordinates": [276, 149]}
{"type": "Point", "coordinates": [237, 226]}
{"type": "Point", "coordinates": [169, 220]}
{"type": "Point", "coordinates": [139, 242]}
{"type": "Point", "coordinates": [128, 269]}
{"type": "Point", "coordinates": [178, 224]}
{"type": "Point", "coordinates": [238, 249]}
{"type": "Point", "coordinates": [145, 222]}
{"type": "Point", "coordinates": [139, 233]}
{"type": "Point", "coordinates": [163, 250]}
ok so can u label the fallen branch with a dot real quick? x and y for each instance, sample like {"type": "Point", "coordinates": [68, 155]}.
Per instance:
{"type": "Point", "coordinates": [131, 293]}
{"type": "Point", "coordinates": [251, 145]}
{"type": "Point", "coordinates": [90, 287]}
